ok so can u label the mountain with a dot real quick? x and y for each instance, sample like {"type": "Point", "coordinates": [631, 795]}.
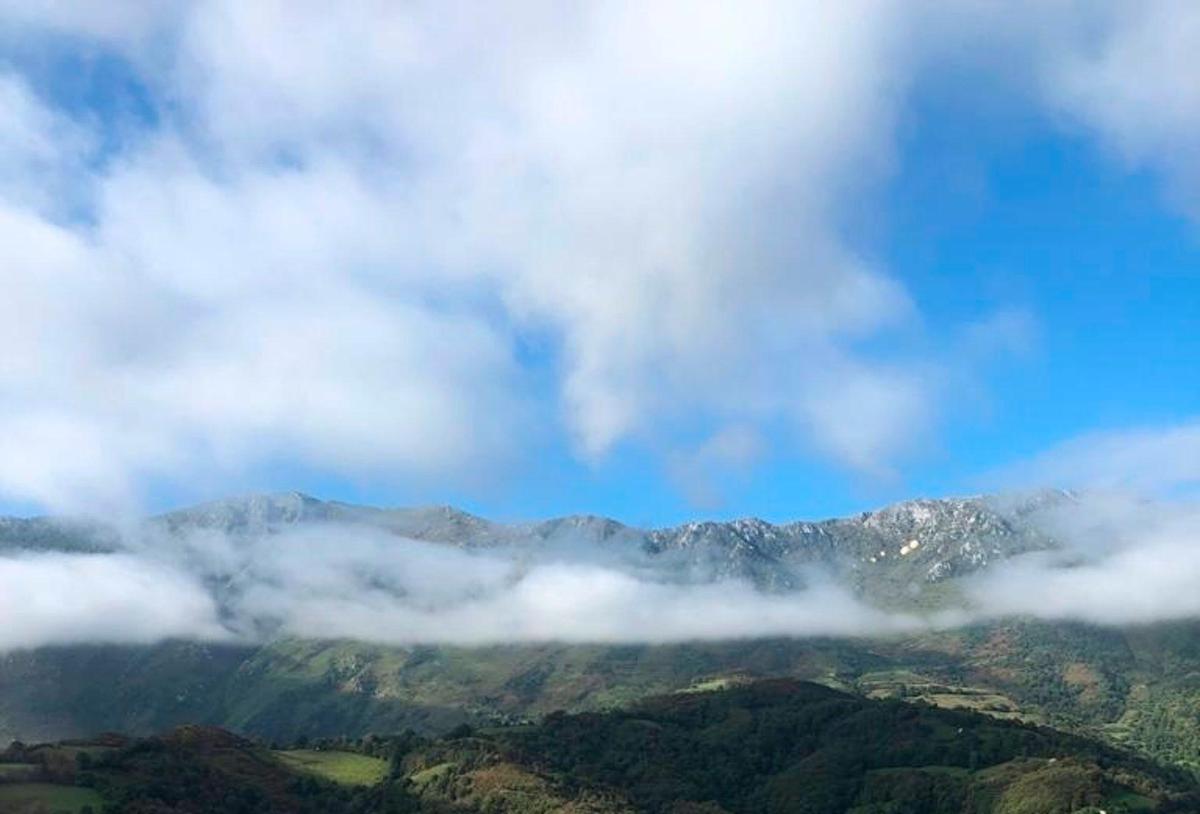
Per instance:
{"type": "Point", "coordinates": [1136, 687]}
{"type": "Point", "coordinates": [769, 746]}
{"type": "Point", "coordinates": [931, 540]}
{"type": "Point", "coordinates": [893, 554]}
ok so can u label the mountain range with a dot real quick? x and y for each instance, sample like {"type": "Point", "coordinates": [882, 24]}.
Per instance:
{"type": "Point", "coordinates": [913, 544]}
{"type": "Point", "coordinates": [1135, 687]}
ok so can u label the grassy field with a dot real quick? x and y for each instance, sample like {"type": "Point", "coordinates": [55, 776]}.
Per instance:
{"type": "Point", "coordinates": [347, 768]}
{"type": "Point", "coordinates": [17, 769]}
{"type": "Point", "coordinates": [67, 799]}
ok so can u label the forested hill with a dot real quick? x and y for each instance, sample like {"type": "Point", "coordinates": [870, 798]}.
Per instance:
{"type": "Point", "coordinates": [771, 746]}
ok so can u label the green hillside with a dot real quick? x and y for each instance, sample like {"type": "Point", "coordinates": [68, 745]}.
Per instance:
{"type": "Point", "coordinates": [1137, 687]}
{"type": "Point", "coordinates": [1133, 687]}
{"type": "Point", "coordinates": [766, 746]}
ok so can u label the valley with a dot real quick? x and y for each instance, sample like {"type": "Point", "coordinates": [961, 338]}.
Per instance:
{"type": "Point", "coordinates": [763, 746]}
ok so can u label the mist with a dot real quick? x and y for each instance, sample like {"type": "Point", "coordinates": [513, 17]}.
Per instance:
{"type": "Point", "coordinates": [49, 599]}
{"type": "Point", "coordinates": [1117, 561]}
{"type": "Point", "coordinates": [1121, 561]}
{"type": "Point", "coordinates": [356, 583]}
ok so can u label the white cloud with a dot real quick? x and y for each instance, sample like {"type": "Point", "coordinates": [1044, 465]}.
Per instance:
{"type": "Point", "coordinates": [326, 246]}
{"type": "Point", "coordinates": [1161, 461]}
{"type": "Point", "coordinates": [346, 582]}
{"type": "Point", "coordinates": [701, 472]}
{"type": "Point", "coordinates": [584, 604]}
{"type": "Point", "coordinates": [1120, 562]}
{"type": "Point", "coordinates": [336, 583]}
{"type": "Point", "coordinates": [121, 24]}
{"type": "Point", "coordinates": [41, 151]}
{"type": "Point", "coordinates": [1123, 562]}
{"type": "Point", "coordinates": [1128, 541]}
{"type": "Point", "coordinates": [50, 599]}
{"type": "Point", "coordinates": [1131, 82]}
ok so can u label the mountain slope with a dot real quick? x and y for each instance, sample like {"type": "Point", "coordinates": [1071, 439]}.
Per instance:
{"type": "Point", "coordinates": [1137, 686]}
{"type": "Point", "coordinates": [771, 746]}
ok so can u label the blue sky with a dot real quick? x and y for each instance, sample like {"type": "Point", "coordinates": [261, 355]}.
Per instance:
{"type": "Point", "coordinates": [1107, 273]}
{"type": "Point", "coordinates": [630, 262]}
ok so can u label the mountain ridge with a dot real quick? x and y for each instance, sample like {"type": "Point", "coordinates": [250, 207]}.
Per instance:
{"type": "Point", "coordinates": [922, 541]}
{"type": "Point", "coordinates": [899, 557]}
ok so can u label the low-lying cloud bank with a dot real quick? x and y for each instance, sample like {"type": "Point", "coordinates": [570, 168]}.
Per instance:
{"type": "Point", "coordinates": [48, 599]}
{"type": "Point", "coordinates": [1119, 562]}
{"type": "Point", "coordinates": [1122, 561]}
{"type": "Point", "coordinates": [347, 582]}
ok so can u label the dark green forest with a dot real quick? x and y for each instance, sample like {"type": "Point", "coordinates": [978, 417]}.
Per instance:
{"type": "Point", "coordinates": [767, 746]}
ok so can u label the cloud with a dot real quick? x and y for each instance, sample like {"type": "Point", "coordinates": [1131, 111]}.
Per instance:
{"type": "Point", "coordinates": [700, 473]}
{"type": "Point", "coordinates": [1127, 541]}
{"type": "Point", "coordinates": [1007, 332]}
{"type": "Point", "coordinates": [200, 327]}
{"type": "Point", "coordinates": [334, 240]}
{"type": "Point", "coordinates": [41, 151]}
{"type": "Point", "coordinates": [1123, 562]}
{"type": "Point", "coordinates": [52, 599]}
{"type": "Point", "coordinates": [355, 583]}
{"type": "Point", "coordinates": [1162, 461]}
{"type": "Point", "coordinates": [331, 241]}
{"type": "Point", "coordinates": [1117, 561]}
{"type": "Point", "coordinates": [1129, 82]}
{"type": "Point", "coordinates": [339, 582]}
{"type": "Point", "coordinates": [576, 604]}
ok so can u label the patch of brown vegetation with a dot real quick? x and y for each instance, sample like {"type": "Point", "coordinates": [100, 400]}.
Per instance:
{"type": "Point", "coordinates": [1000, 644]}
{"type": "Point", "coordinates": [1084, 677]}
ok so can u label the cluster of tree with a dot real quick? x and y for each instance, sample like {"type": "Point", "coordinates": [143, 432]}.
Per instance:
{"type": "Point", "coordinates": [788, 746]}
{"type": "Point", "coordinates": [1167, 724]}
{"type": "Point", "coordinates": [770, 746]}
{"type": "Point", "coordinates": [785, 746]}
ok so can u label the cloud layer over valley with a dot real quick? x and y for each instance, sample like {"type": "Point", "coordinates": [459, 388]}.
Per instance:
{"type": "Point", "coordinates": [1110, 561]}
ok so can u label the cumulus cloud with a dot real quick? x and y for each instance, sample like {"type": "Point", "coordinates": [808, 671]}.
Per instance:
{"type": "Point", "coordinates": [333, 238]}
{"type": "Point", "coordinates": [340, 231]}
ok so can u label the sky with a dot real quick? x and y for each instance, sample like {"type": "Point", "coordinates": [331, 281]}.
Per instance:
{"type": "Point", "coordinates": [655, 261]}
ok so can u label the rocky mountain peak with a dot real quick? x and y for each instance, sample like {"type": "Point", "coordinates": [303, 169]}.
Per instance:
{"type": "Point", "coordinates": [249, 514]}
{"type": "Point", "coordinates": [913, 542]}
